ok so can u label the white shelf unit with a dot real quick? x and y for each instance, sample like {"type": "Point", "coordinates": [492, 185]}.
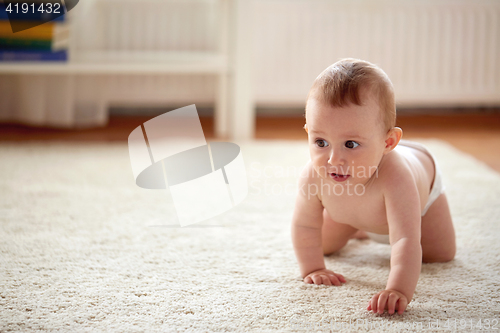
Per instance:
{"type": "Point", "coordinates": [127, 63]}
{"type": "Point", "coordinates": [47, 93]}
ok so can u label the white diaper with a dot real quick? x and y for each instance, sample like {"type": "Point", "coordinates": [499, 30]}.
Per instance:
{"type": "Point", "coordinates": [436, 190]}
{"type": "Point", "coordinates": [384, 239]}
{"type": "Point", "coordinates": [437, 187]}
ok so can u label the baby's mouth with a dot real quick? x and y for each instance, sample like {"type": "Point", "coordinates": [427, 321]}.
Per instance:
{"type": "Point", "coordinates": [338, 177]}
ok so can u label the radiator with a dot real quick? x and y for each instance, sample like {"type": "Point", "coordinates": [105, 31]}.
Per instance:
{"type": "Point", "coordinates": [438, 52]}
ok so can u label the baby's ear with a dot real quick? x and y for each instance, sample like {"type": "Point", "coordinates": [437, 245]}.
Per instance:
{"type": "Point", "coordinates": [392, 139]}
{"type": "Point", "coordinates": [305, 127]}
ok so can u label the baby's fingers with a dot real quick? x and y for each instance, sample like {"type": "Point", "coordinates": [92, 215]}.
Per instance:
{"type": "Point", "coordinates": [326, 280]}
{"type": "Point", "coordinates": [335, 280]}
{"type": "Point", "coordinates": [391, 304]}
{"type": "Point", "coordinates": [340, 277]}
{"type": "Point", "coordinates": [382, 300]}
{"type": "Point", "coordinates": [315, 279]}
{"type": "Point", "coordinates": [318, 279]}
{"type": "Point", "coordinates": [402, 305]}
{"type": "Point", "coordinates": [373, 303]}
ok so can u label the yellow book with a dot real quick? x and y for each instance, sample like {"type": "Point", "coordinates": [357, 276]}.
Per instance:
{"type": "Point", "coordinates": [47, 30]}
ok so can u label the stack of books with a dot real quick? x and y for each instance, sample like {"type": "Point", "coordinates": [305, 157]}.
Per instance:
{"type": "Point", "coordinates": [34, 40]}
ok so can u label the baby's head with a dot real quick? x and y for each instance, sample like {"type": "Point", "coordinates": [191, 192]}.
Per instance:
{"type": "Point", "coordinates": [349, 81]}
{"type": "Point", "coordinates": [351, 116]}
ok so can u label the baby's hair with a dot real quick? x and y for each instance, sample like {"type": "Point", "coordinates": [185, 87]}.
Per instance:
{"type": "Point", "coordinates": [342, 83]}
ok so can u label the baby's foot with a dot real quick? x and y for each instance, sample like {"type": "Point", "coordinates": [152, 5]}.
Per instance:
{"type": "Point", "coordinates": [360, 234]}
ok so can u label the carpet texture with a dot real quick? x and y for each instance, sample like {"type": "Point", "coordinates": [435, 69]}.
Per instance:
{"type": "Point", "coordinates": [83, 249]}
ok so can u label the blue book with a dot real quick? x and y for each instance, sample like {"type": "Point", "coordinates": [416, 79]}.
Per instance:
{"type": "Point", "coordinates": [30, 15]}
{"type": "Point", "coordinates": [30, 55]}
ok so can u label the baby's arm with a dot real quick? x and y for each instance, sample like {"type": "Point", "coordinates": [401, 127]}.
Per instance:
{"type": "Point", "coordinates": [402, 203]}
{"type": "Point", "coordinates": [306, 233]}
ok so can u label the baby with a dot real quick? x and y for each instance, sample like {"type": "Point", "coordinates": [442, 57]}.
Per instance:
{"type": "Point", "coordinates": [360, 182]}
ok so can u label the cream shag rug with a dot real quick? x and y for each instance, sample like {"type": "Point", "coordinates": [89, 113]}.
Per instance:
{"type": "Point", "coordinates": [83, 249]}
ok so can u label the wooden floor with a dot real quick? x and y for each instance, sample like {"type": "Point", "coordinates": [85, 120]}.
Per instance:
{"type": "Point", "coordinates": [475, 134]}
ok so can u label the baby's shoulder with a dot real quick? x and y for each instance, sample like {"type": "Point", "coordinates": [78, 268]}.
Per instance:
{"type": "Point", "coordinates": [394, 170]}
{"type": "Point", "coordinates": [309, 177]}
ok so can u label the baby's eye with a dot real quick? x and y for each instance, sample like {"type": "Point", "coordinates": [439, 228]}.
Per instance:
{"type": "Point", "coordinates": [351, 144]}
{"type": "Point", "coordinates": [321, 143]}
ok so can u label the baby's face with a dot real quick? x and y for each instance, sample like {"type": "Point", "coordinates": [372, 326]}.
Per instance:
{"type": "Point", "coordinates": [346, 144]}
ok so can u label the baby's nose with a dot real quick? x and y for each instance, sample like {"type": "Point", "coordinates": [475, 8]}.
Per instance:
{"type": "Point", "coordinates": [335, 158]}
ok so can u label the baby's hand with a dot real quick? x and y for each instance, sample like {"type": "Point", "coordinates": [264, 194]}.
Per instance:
{"type": "Point", "coordinates": [324, 276]}
{"type": "Point", "coordinates": [387, 299]}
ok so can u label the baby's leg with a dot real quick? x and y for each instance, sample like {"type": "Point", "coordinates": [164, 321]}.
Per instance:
{"type": "Point", "coordinates": [334, 235]}
{"type": "Point", "coordinates": [438, 234]}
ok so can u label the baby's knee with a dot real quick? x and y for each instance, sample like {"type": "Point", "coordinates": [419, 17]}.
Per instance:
{"type": "Point", "coordinates": [331, 248]}
{"type": "Point", "coordinates": [442, 256]}
{"type": "Point", "coordinates": [327, 251]}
